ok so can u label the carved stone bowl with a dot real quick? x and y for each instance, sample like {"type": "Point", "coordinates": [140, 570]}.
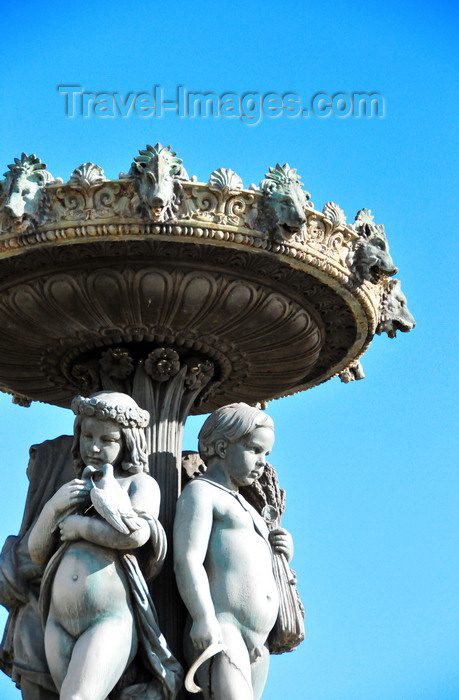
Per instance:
{"type": "Point", "coordinates": [96, 275]}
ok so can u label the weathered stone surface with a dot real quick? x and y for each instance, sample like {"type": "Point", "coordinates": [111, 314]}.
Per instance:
{"type": "Point", "coordinates": [158, 174]}
{"type": "Point", "coordinates": [352, 373]}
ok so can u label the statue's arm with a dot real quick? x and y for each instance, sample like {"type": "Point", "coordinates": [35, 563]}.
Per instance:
{"type": "Point", "coordinates": [145, 494]}
{"type": "Point", "coordinates": [145, 497]}
{"type": "Point", "coordinates": [42, 539]}
{"type": "Point", "coordinates": [80, 527]}
{"type": "Point", "coordinates": [192, 529]}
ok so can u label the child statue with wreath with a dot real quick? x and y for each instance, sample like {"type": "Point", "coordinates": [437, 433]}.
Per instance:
{"type": "Point", "coordinates": [101, 633]}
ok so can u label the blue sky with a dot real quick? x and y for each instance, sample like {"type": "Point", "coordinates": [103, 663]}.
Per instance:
{"type": "Point", "coordinates": [370, 468]}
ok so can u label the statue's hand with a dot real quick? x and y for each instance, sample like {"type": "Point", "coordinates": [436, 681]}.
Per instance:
{"type": "Point", "coordinates": [70, 495]}
{"type": "Point", "coordinates": [204, 632]}
{"type": "Point", "coordinates": [281, 542]}
{"type": "Point", "coordinates": [72, 528]}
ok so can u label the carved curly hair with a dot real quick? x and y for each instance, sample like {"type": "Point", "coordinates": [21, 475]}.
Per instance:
{"type": "Point", "coordinates": [231, 423]}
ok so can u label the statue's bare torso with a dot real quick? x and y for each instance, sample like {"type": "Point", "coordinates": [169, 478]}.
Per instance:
{"type": "Point", "coordinates": [223, 558]}
{"type": "Point", "coordinates": [239, 565]}
{"type": "Point", "coordinates": [89, 584]}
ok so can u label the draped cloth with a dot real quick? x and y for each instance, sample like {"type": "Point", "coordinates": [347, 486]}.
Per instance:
{"type": "Point", "coordinates": [154, 652]}
{"type": "Point", "coordinates": [22, 653]}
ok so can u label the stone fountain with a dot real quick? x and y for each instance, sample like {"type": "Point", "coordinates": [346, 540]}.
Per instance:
{"type": "Point", "coordinates": [185, 295]}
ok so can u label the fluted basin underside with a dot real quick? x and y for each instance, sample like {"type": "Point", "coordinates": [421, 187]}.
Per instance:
{"type": "Point", "coordinates": [269, 329]}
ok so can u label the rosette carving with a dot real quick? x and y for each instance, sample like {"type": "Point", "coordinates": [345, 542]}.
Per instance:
{"type": "Point", "coordinates": [162, 364]}
{"type": "Point", "coordinates": [116, 363]}
{"type": "Point", "coordinates": [164, 269]}
{"type": "Point", "coordinates": [73, 328]}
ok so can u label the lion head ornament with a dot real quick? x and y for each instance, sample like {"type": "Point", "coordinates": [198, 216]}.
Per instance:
{"type": "Point", "coordinates": [282, 212]}
{"type": "Point", "coordinates": [158, 175]}
{"type": "Point", "coordinates": [372, 259]}
{"type": "Point", "coordinates": [394, 313]}
{"type": "Point", "coordinates": [20, 192]}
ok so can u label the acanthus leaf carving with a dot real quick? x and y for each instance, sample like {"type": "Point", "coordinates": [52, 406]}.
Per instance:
{"type": "Point", "coordinates": [328, 233]}
{"type": "Point", "coordinates": [335, 215]}
{"type": "Point", "coordinates": [199, 373]}
{"type": "Point", "coordinates": [200, 203]}
{"type": "Point", "coordinates": [221, 201]}
{"type": "Point", "coordinates": [82, 202]}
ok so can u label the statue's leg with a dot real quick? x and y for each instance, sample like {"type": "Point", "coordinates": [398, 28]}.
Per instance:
{"type": "Point", "coordinates": [260, 668]}
{"type": "Point", "coordinates": [227, 675]}
{"type": "Point", "coordinates": [99, 657]}
{"type": "Point", "coordinates": [58, 647]}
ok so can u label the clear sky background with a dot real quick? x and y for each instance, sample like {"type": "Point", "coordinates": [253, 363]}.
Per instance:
{"type": "Point", "coordinates": [370, 468]}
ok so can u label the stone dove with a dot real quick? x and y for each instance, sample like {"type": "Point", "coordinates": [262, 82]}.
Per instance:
{"type": "Point", "coordinates": [111, 501]}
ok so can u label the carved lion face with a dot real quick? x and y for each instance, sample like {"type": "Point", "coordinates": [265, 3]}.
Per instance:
{"type": "Point", "coordinates": [373, 258]}
{"type": "Point", "coordinates": [20, 194]}
{"type": "Point", "coordinates": [288, 209]}
{"type": "Point", "coordinates": [156, 189]}
{"type": "Point", "coordinates": [395, 315]}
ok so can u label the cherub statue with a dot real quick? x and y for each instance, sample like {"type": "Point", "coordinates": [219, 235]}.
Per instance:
{"type": "Point", "coordinates": [94, 600]}
{"type": "Point", "coordinates": [223, 557]}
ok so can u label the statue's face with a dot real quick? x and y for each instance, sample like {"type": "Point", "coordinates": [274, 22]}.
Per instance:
{"type": "Point", "coordinates": [245, 460]}
{"type": "Point", "coordinates": [100, 442]}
